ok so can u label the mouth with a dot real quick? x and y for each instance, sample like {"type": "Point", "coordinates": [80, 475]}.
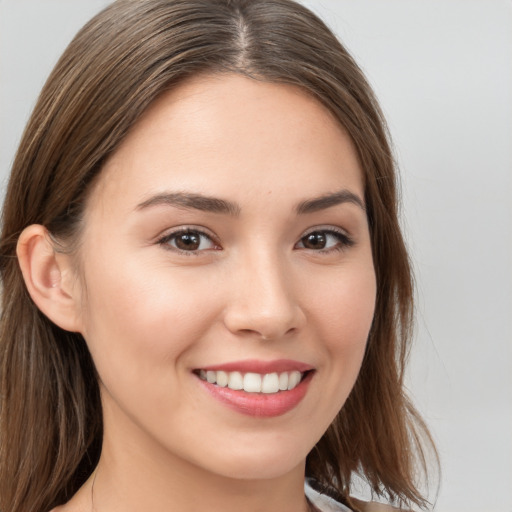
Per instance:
{"type": "Point", "coordinates": [256, 388]}
{"type": "Point", "coordinates": [250, 382]}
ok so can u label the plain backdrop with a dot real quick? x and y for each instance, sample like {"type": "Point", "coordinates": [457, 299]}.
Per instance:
{"type": "Point", "coordinates": [442, 70]}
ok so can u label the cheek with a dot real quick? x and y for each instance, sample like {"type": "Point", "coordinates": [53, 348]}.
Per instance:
{"type": "Point", "coordinates": [344, 313]}
{"type": "Point", "coordinates": [344, 304]}
{"type": "Point", "coordinates": [143, 314]}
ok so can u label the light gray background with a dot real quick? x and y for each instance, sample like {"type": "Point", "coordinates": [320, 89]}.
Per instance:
{"type": "Point", "coordinates": [443, 72]}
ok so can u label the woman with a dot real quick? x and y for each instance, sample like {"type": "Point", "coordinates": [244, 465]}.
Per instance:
{"type": "Point", "coordinates": [211, 298]}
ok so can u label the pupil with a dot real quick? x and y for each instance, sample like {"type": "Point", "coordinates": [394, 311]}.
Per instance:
{"type": "Point", "coordinates": [188, 241]}
{"type": "Point", "coordinates": [315, 241]}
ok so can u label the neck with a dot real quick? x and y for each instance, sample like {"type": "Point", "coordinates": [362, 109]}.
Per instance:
{"type": "Point", "coordinates": [138, 476]}
{"type": "Point", "coordinates": [187, 489]}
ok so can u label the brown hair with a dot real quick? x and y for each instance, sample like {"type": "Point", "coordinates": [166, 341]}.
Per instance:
{"type": "Point", "coordinates": [124, 58]}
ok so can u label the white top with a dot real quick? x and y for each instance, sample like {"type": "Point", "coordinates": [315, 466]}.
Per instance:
{"type": "Point", "coordinates": [322, 502]}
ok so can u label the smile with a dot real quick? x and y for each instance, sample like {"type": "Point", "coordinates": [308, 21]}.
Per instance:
{"type": "Point", "coordinates": [257, 388]}
{"type": "Point", "coordinates": [253, 382]}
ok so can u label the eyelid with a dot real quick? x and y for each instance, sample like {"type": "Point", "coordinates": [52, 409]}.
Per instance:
{"type": "Point", "coordinates": [345, 238]}
{"type": "Point", "coordinates": [326, 228]}
{"type": "Point", "coordinates": [168, 234]}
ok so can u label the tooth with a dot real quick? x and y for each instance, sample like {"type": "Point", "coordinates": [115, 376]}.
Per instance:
{"type": "Point", "coordinates": [252, 383]}
{"type": "Point", "coordinates": [222, 379]}
{"type": "Point", "coordinates": [293, 379]}
{"type": "Point", "coordinates": [202, 374]}
{"type": "Point", "coordinates": [211, 376]}
{"type": "Point", "coordinates": [283, 381]}
{"type": "Point", "coordinates": [235, 381]}
{"type": "Point", "coordinates": [270, 383]}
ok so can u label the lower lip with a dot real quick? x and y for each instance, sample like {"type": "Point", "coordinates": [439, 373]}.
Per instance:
{"type": "Point", "coordinates": [261, 405]}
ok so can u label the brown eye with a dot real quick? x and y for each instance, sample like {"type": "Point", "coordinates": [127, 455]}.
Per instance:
{"type": "Point", "coordinates": [315, 240]}
{"type": "Point", "coordinates": [188, 241]}
{"type": "Point", "coordinates": [325, 240]}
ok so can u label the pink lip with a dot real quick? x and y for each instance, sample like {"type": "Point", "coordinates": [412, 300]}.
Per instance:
{"type": "Point", "coordinates": [258, 366]}
{"type": "Point", "coordinates": [260, 405]}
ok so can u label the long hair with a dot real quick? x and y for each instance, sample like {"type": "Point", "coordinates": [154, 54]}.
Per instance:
{"type": "Point", "coordinates": [117, 65]}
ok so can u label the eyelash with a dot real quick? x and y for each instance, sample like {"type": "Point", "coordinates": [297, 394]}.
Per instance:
{"type": "Point", "coordinates": [344, 241]}
{"type": "Point", "coordinates": [164, 241]}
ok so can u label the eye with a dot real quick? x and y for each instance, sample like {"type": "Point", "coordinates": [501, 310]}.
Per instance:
{"type": "Point", "coordinates": [188, 241]}
{"type": "Point", "coordinates": [324, 240]}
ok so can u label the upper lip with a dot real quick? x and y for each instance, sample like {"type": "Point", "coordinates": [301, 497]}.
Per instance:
{"type": "Point", "coordinates": [259, 366]}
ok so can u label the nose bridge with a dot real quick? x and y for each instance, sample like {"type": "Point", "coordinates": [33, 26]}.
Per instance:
{"type": "Point", "coordinates": [265, 302]}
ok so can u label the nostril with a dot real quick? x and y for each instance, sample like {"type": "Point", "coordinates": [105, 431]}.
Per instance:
{"type": "Point", "coordinates": [267, 335]}
{"type": "Point", "coordinates": [263, 317]}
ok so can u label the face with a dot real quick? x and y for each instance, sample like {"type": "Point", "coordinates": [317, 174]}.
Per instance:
{"type": "Point", "coordinates": [226, 246]}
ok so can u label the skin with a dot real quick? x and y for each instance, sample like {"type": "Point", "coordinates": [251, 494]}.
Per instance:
{"type": "Point", "coordinates": [151, 314]}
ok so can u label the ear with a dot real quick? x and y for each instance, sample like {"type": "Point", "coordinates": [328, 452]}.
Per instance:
{"type": "Point", "coordinates": [50, 278]}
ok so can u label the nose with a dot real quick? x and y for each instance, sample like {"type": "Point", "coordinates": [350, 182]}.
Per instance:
{"type": "Point", "coordinates": [263, 303]}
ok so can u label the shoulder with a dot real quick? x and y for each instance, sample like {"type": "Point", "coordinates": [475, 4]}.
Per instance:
{"type": "Point", "coordinates": [373, 506]}
{"type": "Point", "coordinates": [324, 503]}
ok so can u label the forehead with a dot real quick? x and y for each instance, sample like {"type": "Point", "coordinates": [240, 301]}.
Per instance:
{"type": "Point", "coordinates": [232, 135]}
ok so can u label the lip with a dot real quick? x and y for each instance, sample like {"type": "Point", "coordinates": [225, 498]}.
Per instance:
{"type": "Point", "coordinates": [260, 405]}
{"type": "Point", "coordinates": [262, 367]}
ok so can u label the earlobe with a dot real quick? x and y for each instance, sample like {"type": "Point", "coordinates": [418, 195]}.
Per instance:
{"type": "Point", "coordinates": [49, 277]}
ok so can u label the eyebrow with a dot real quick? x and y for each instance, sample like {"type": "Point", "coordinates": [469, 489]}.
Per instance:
{"type": "Point", "coordinates": [191, 201]}
{"type": "Point", "coordinates": [329, 200]}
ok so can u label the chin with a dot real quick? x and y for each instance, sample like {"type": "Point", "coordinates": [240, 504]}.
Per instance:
{"type": "Point", "coordinates": [261, 464]}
